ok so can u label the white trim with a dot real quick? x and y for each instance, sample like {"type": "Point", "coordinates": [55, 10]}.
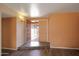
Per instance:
{"type": "Point", "coordinates": [65, 48]}
{"type": "Point", "coordinates": [9, 48]}
{"type": "Point", "coordinates": [0, 33]}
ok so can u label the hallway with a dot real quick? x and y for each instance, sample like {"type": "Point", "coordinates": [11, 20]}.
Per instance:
{"type": "Point", "coordinates": [40, 29]}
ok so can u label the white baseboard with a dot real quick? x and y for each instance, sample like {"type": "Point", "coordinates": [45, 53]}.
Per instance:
{"type": "Point", "coordinates": [9, 48]}
{"type": "Point", "coordinates": [65, 48]}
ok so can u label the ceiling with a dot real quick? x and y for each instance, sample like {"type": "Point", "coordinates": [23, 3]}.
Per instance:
{"type": "Point", "coordinates": [44, 8]}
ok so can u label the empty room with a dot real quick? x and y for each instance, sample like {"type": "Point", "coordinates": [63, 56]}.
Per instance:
{"type": "Point", "coordinates": [39, 29]}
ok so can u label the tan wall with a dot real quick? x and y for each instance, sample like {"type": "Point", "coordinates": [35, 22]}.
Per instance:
{"type": "Point", "coordinates": [43, 30]}
{"type": "Point", "coordinates": [64, 30]}
{"type": "Point", "coordinates": [9, 32]}
{"type": "Point", "coordinates": [13, 32]}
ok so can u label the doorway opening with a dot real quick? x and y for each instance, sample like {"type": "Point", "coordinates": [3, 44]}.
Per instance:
{"type": "Point", "coordinates": [35, 33]}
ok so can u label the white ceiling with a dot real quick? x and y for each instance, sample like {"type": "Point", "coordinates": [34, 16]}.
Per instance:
{"type": "Point", "coordinates": [45, 8]}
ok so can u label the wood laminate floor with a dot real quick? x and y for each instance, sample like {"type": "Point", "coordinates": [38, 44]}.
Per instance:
{"type": "Point", "coordinates": [42, 50]}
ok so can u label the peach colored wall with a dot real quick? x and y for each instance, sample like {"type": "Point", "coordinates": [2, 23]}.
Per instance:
{"type": "Point", "coordinates": [43, 30]}
{"type": "Point", "coordinates": [9, 32]}
{"type": "Point", "coordinates": [13, 32]}
{"type": "Point", "coordinates": [64, 30]}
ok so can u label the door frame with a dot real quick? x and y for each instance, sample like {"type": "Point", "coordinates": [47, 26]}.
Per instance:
{"type": "Point", "coordinates": [0, 34]}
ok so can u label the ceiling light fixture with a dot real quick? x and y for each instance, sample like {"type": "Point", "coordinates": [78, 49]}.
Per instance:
{"type": "Point", "coordinates": [34, 12]}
